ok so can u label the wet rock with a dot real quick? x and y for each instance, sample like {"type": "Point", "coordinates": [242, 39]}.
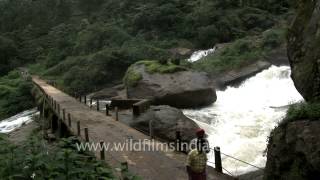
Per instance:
{"type": "Point", "coordinates": [182, 89]}
{"type": "Point", "coordinates": [166, 121]}
{"type": "Point", "coordinates": [294, 151]}
{"type": "Point", "coordinates": [303, 50]}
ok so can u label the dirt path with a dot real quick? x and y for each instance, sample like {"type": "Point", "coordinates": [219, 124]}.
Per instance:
{"type": "Point", "coordinates": [150, 165]}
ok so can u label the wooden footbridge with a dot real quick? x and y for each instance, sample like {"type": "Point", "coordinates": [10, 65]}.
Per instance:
{"type": "Point", "coordinates": [63, 113]}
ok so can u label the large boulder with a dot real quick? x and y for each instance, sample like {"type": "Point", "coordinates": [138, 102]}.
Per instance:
{"type": "Point", "coordinates": [294, 146]}
{"type": "Point", "coordinates": [303, 50]}
{"type": "Point", "coordinates": [108, 93]}
{"type": "Point", "coordinates": [294, 151]}
{"type": "Point", "coordinates": [166, 121]}
{"type": "Point", "coordinates": [169, 84]}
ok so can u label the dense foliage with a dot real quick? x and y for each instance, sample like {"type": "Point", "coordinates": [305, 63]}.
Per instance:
{"type": "Point", "coordinates": [36, 158]}
{"type": "Point", "coordinates": [87, 44]}
{"type": "Point", "coordinates": [241, 52]}
{"type": "Point", "coordinates": [15, 95]}
{"type": "Point", "coordinates": [303, 111]}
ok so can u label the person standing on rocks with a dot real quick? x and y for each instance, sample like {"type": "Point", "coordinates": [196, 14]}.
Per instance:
{"type": "Point", "coordinates": [197, 162]}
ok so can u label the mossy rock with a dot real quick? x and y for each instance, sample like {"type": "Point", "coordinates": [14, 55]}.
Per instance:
{"type": "Point", "coordinates": [162, 68]}
{"type": "Point", "coordinates": [132, 77]}
{"type": "Point", "coordinates": [169, 84]}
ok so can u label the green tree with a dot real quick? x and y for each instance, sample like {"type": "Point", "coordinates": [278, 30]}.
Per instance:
{"type": "Point", "coordinates": [8, 52]}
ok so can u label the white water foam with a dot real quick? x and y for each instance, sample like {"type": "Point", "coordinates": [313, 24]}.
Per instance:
{"type": "Point", "coordinates": [14, 122]}
{"type": "Point", "coordinates": [197, 55]}
{"type": "Point", "coordinates": [242, 118]}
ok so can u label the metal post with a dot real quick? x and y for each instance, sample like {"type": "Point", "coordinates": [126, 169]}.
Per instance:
{"type": "Point", "coordinates": [78, 128]}
{"type": "Point", "coordinates": [69, 119]}
{"type": "Point", "coordinates": [117, 113]}
{"type": "Point", "coordinates": [217, 157]}
{"type": "Point", "coordinates": [178, 140]}
{"type": "Point", "coordinates": [85, 100]}
{"type": "Point", "coordinates": [107, 109]}
{"type": "Point", "coordinates": [90, 102]}
{"type": "Point", "coordinates": [98, 105]}
{"type": "Point", "coordinates": [86, 134]}
{"type": "Point", "coordinates": [102, 155]}
{"type": "Point", "coordinates": [150, 129]}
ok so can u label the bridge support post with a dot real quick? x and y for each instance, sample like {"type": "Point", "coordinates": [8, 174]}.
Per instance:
{"type": "Point", "coordinates": [98, 105]}
{"type": "Point", "coordinates": [78, 129]}
{"type": "Point", "coordinates": [117, 113]}
{"type": "Point", "coordinates": [64, 115]}
{"type": "Point", "coordinates": [85, 100]}
{"type": "Point", "coordinates": [60, 127]}
{"type": "Point", "coordinates": [217, 159]}
{"type": "Point", "coordinates": [69, 120]}
{"type": "Point", "coordinates": [178, 141]}
{"type": "Point", "coordinates": [102, 155]}
{"type": "Point", "coordinates": [150, 129]}
{"type": "Point", "coordinates": [107, 109]}
{"type": "Point", "coordinates": [86, 134]}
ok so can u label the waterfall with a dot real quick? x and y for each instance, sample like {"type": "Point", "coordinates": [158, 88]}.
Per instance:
{"type": "Point", "coordinates": [197, 55]}
{"type": "Point", "coordinates": [242, 118]}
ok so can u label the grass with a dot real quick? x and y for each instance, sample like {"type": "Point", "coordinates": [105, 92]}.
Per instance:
{"type": "Point", "coordinates": [162, 68]}
{"type": "Point", "coordinates": [132, 77]}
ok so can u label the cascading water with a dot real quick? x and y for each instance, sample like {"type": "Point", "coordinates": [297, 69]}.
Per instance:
{"type": "Point", "coordinates": [200, 54]}
{"type": "Point", "coordinates": [242, 118]}
{"type": "Point", "coordinates": [14, 122]}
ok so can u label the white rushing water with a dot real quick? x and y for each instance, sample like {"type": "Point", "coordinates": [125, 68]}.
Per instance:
{"type": "Point", "coordinates": [200, 54]}
{"type": "Point", "coordinates": [242, 118]}
{"type": "Point", "coordinates": [14, 122]}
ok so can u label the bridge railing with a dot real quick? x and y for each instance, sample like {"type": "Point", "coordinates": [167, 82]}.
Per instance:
{"type": "Point", "coordinates": [220, 156]}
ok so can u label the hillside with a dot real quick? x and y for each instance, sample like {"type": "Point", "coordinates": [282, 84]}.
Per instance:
{"type": "Point", "coordinates": [85, 45]}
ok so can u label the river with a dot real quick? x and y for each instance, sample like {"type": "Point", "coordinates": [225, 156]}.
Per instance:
{"type": "Point", "coordinates": [15, 122]}
{"type": "Point", "coordinates": [242, 118]}
{"type": "Point", "coordinates": [239, 122]}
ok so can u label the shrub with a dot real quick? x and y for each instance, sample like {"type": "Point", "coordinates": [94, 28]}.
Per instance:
{"type": "Point", "coordinates": [40, 160]}
{"type": "Point", "coordinates": [273, 38]}
{"type": "Point", "coordinates": [303, 111]}
{"type": "Point", "coordinates": [8, 52]}
{"type": "Point", "coordinates": [15, 95]}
